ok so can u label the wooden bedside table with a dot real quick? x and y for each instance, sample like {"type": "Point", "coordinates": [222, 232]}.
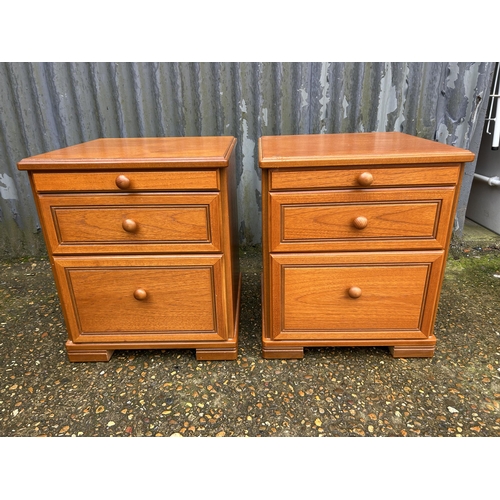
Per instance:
{"type": "Point", "coordinates": [142, 238]}
{"type": "Point", "coordinates": [356, 231]}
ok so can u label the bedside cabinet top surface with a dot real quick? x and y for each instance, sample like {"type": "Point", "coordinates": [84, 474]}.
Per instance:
{"type": "Point", "coordinates": [148, 152]}
{"type": "Point", "coordinates": [366, 148]}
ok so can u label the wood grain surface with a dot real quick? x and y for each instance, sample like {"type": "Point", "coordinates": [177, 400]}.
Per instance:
{"type": "Point", "coordinates": [369, 148]}
{"type": "Point", "coordinates": [356, 231]}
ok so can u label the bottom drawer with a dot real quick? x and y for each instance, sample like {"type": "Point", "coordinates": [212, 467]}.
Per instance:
{"type": "Point", "coordinates": [354, 295]}
{"type": "Point", "coordinates": [117, 299]}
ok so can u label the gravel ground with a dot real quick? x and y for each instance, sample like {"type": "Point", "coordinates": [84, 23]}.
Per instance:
{"type": "Point", "coordinates": [330, 392]}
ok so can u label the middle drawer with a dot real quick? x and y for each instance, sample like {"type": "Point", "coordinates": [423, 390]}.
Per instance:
{"type": "Point", "coordinates": [130, 223]}
{"type": "Point", "coordinates": [383, 219]}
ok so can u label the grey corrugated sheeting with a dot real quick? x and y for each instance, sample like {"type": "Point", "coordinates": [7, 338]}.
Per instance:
{"type": "Point", "coordinates": [46, 106]}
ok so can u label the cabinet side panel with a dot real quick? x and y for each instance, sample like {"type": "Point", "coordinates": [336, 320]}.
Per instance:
{"type": "Point", "coordinates": [266, 263]}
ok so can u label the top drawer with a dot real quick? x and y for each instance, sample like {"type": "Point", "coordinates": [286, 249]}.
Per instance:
{"type": "Point", "coordinates": [363, 177]}
{"type": "Point", "coordinates": [127, 181]}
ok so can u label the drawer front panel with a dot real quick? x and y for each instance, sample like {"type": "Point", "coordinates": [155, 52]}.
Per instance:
{"type": "Point", "coordinates": [364, 177]}
{"type": "Point", "coordinates": [382, 219]}
{"type": "Point", "coordinates": [132, 223]}
{"type": "Point", "coordinates": [146, 299]}
{"type": "Point", "coordinates": [353, 296]}
{"type": "Point", "coordinates": [127, 181]}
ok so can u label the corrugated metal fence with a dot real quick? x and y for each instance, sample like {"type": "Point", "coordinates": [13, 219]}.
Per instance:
{"type": "Point", "coordinates": [46, 106]}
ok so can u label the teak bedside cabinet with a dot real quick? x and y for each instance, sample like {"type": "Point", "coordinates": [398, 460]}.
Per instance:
{"type": "Point", "coordinates": [356, 231]}
{"type": "Point", "coordinates": [142, 238]}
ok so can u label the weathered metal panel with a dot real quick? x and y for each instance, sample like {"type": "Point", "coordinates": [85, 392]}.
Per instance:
{"type": "Point", "coordinates": [45, 106]}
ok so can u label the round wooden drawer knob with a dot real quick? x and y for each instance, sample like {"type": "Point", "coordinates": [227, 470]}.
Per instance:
{"type": "Point", "coordinates": [354, 292]}
{"type": "Point", "coordinates": [129, 225]}
{"type": "Point", "coordinates": [365, 179]}
{"type": "Point", "coordinates": [360, 222]}
{"type": "Point", "coordinates": [140, 294]}
{"type": "Point", "coordinates": [122, 181]}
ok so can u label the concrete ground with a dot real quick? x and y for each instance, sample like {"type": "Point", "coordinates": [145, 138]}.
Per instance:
{"type": "Point", "coordinates": [330, 392]}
